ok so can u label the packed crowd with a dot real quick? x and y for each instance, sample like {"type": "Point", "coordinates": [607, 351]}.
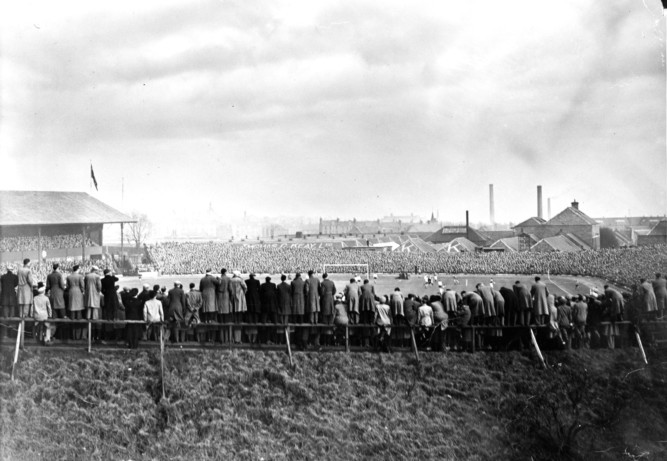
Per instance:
{"type": "Point", "coordinates": [620, 266]}
{"type": "Point", "coordinates": [231, 309]}
{"type": "Point", "coordinates": [49, 242]}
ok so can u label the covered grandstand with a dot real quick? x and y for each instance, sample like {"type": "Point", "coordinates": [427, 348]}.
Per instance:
{"type": "Point", "coordinates": [62, 224]}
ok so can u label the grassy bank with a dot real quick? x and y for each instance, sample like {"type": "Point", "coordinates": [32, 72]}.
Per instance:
{"type": "Point", "coordinates": [252, 405]}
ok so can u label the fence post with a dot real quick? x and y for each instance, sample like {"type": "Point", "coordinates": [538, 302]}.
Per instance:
{"type": "Point", "coordinates": [16, 351]}
{"type": "Point", "coordinates": [641, 347]}
{"type": "Point", "coordinates": [537, 348]}
{"type": "Point", "coordinates": [347, 339]}
{"type": "Point", "coordinates": [289, 348]}
{"type": "Point", "coordinates": [90, 336]}
{"type": "Point", "coordinates": [414, 343]}
{"type": "Point", "coordinates": [162, 358]}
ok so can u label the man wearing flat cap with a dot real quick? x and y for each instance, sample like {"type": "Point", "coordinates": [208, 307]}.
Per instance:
{"type": "Point", "coordinates": [24, 291]}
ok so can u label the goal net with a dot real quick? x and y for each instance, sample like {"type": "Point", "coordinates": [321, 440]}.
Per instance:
{"type": "Point", "coordinates": [347, 269]}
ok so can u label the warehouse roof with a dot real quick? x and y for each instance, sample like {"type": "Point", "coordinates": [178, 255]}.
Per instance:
{"type": "Point", "coordinates": [32, 208]}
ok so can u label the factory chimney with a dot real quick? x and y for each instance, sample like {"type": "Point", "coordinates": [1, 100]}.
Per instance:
{"type": "Point", "coordinates": [492, 211]}
{"type": "Point", "coordinates": [467, 225]}
{"type": "Point", "coordinates": [539, 202]}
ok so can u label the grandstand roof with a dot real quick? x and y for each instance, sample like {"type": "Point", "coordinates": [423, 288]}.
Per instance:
{"type": "Point", "coordinates": [32, 208]}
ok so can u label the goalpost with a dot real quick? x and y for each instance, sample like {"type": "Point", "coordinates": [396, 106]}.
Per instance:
{"type": "Point", "coordinates": [353, 268]}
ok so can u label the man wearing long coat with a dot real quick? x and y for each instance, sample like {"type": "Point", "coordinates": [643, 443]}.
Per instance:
{"type": "Point", "coordinates": [110, 297]}
{"type": "Point", "coordinates": [176, 312]}
{"type": "Point", "coordinates": [487, 298]}
{"type": "Point", "coordinates": [24, 291]}
{"type": "Point", "coordinates": [222, 295]}
{"type": "Point", "coordinates": [367, 302]}
{"type": "Point", "coordinates": [525, 304]}
{"type": "Point", "coordinates": [540, 293]}
{"type": "Point", "coordinates": [297, 292]}
{"type": "Point", "coordinates": [660, 290]}
{"type": "Point", "coordinates": [237, 291]}
{"type": "Point", "coordinates": [312, 308]}
{"type": "Point", "coordinates": [647, 296]}
{"type": "Point", "coordinates": [8, 300]}
{"type": "Point", "coordinates": [75, 289]}
{"type": "Point", "coordinates": [91, 298]}
{"type": "Point", "coordinates": [284, 300]}
{"type": "Point", "coordinates": [55, 290]}
{"type": "Point", "coordinates": [207, 286]}
{"type": "Point", "coordinates": [268, 296]}
{"type": "Point", "coordinates": [327, 293]}
{"type": "Point", "coordinates": [352, 299]}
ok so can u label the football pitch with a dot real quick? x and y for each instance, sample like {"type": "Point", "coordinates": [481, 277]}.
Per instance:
{"type": "Point", "coordinates": [386, 283]}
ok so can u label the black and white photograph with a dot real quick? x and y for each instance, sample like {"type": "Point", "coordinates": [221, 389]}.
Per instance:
{"type": "Point", "coordinates": [297, 230]}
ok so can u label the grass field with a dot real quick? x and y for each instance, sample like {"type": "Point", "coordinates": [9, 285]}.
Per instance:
{"type": "Point", "coordinates": [385, 284]}
{"type": "Point", "coordinates": [253, 405]}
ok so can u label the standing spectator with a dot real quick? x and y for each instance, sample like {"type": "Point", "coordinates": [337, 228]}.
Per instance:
{"type": "Point", "coordinates": [110, 299]}
{"type": "Point", "coordinates": [119, 328]}
{"type": "Point", "coordinates": [383, 321]}
{"type": "Point", "coordinates": [441, 321]}
{"type": "Point", "coordinates": [284, 300]}
{"type": "Point", "coordinates": [55, 289]}
{"type": "Point", "coordinates": [254, 307]}
{"type": "Point", "coordinates": [396, 304]}
{"type": "Point", "coordinates": [93, 289]}
{"type": "Point", "coordinates": [175, 314]}
{"type": "Point", "coordinates": [540, 294]}
{"type": "Point", "coordinates": [367, 308]}
{"type": "Point", "coordinates": [425, 320]}
{"type": "Point", "coordinates": [153, 314]}
{"type": "Point", "coordinates": [222, 293]}
{"type": "Point", "coordinates": [647, 296]}
{"type": "Point", "coordinates": [312, 288]}
{"type": "Point", "coordinates": [237, 290]}
{"type": "Point", "coordinates": [327, 293]}
{"type": "Point", "coordinates": [579, 317]}
{"type": "Point", "coordinates": [525, 301]}
{"type": "Point", "coordinates": [193, 303]}
{"type": "Point", "coordinates": [75, 290]}
{"type": "Point", "coordinates": [564, 321]}
{"type": "Point", "coordinates": [298, 306]}
{"type": "Point", "coordinates": [8, 300]}
{"type": "Point", "coordinates": [42, 312]}
{"type": "Point", "coordinates": [660, 290]}
{"type": "Point", "coordinates": [410, 307]}
{"type": "Point", "coordinates": [613, 312]}
{"type": "Point", "coordinates": [134, 310]}
{"type": "Point", "coordinates": [208, 285]}
{"type": "Point", "coordinates": [24, 291]}
{"type": "Point", "coordinates": [268, 296]}
{"type": "Point", "coordinates": [450, 300]}
{"type": "Point", "coordinates": [341, 320]}
{"type": "Point", "coordinates": [351, 294]}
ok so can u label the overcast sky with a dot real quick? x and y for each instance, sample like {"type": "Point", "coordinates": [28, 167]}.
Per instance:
{"type": "Point", "coordinates": [338, 109]}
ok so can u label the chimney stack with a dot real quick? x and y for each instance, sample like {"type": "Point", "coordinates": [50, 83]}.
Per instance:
{"type": "Point", "coordinates": [492, 213]}
{"type": "Point", "coordinates": [467, 225]}
{"type": "Point", "coordinates": [575, 204]}
{"type": "Point", "coordinates": [539, 202]}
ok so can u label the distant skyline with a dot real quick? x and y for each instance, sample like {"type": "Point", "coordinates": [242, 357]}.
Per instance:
{"type": "Point", "coordinates": [355, 109]}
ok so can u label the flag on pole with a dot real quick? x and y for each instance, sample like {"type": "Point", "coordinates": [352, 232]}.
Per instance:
{"type": "Point", "coordinates": [92, 176]}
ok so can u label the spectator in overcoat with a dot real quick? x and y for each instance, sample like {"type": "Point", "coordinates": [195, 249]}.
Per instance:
{"type": "Point", "coordinates": [525, 304]}
{"type": "Point", "coordinates": [207, 286]}
{"type": "Point", "coordinates": [254, 306]}
{"type": "Point", "coordinates": [540, 293]}
{"type": "Point", "coordinates": [660, 290]}
{"type": "Point", "coordinates": [238, 289]}
{"type": "Point", "coordinates": [8, 300]}
{"type": "Point", "coordinates": [176, 312]}
{"type": "Point", "coordinates": [223, 304]}
{"type": "Point", "coordinates": [351, 294]}
{"type": "Point", "coordinates": [24, 290]}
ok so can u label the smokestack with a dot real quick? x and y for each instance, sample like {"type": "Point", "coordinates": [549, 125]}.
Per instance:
{"type": "Point", "coordinates": [467, 225]}
{"type": "Point", "coordinates": [549, 207]}
{"type": "Point", "coordinates": [492, 214]}
{"type": "Point", "coordinates": [539, 202]}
